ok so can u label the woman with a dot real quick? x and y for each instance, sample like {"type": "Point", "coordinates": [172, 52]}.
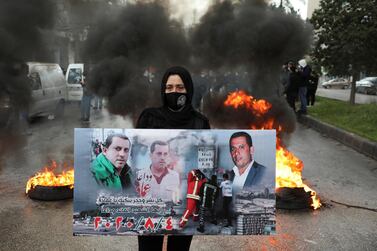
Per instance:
{"type": "Point", "coordinates": [176, 112]}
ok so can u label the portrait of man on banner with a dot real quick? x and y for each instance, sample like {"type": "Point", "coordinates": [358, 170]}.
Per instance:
{"type": "Point", "coordinates": [158, 180]}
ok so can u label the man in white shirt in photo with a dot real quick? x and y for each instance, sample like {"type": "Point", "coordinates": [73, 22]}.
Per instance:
{"type": "Point", "coordinates": [247, 172]}
{"type": "Point", "coordinates": [226, 189]}
{"type": "Point", "coordinates": [157, 180]}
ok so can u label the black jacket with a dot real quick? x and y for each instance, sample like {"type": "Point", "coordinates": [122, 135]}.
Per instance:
{"type": "Point", "coordinates": [313, 82]}
{"type": "Point", "coordinates": [158, 118]}
{"type": "Point", "coordinates": [293, 84]}
{"type": "Point", "coordinates": [305, 75]}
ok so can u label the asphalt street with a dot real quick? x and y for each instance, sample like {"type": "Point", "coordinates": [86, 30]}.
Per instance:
{"type": "Point", "coordinates": [344, 95]}
{"type": "Point", "coordinates": [335, 171]}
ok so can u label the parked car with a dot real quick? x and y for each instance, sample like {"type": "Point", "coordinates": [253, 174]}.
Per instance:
{"type": "Point", "coordinates": [73, 77]}
{"type": "Point", "coordinates": [367, 85]}
{"type": "Point", "coordinates": [49, 89]}
{"type": "Point", "coordinates": [336, 83]}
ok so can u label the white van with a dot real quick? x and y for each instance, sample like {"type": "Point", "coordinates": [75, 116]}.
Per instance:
{"type": "Point", "coordinates": [49, 89]}
{"type": "Point", "coordinates": [73, 77]}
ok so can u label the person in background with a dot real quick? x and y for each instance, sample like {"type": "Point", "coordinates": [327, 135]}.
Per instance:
{"type": "Point", "coordinates": [304, 71]}
{"type": "Point", "coordinates": [284, 79]}
{"type": "Point", "coordinates": [97, 102]}
{"type": "Point", "coordinates": [292, 85]}
{"type": "Point", "coordinates": [85, 100]}
{"type": "Point", "coordinates": [312, 88]}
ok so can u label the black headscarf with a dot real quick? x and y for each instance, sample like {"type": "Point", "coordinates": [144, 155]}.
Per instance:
{"type": "Point", "coordinates": [182, 117]}
{"type": "Point", "coordinates": [163, 117]}
{"type": "Point", "coordinates": [186, 78]}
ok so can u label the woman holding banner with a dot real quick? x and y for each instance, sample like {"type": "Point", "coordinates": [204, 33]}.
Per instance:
{"type": "Point", "coordinates": [176, 112]}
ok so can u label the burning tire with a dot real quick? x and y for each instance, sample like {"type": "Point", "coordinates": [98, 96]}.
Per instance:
{"type": "Point", "coordinates": [50, 193]}
{"type": "Point", "coordinates": [46, 185]}
{"type": "Point", "coordinates": [293, 198]}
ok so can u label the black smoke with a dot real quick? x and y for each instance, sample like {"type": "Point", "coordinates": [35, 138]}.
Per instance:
{"type": "Point", "coordinates": [21, 23]}
{"type": "Point", "coordinates": [122, 47]}
{"type": "Point", "coordinates": [245, 40]}
{"type": "Point", "coordinates": [258, 38]}
{"type": "Point", "coordinates": [252, 34]}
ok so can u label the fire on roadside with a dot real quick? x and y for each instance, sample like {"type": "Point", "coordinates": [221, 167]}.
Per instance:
{"type": "Point", "coordinates": [47, 177]}
{"type": "Point", "coordinates": [288, 166]}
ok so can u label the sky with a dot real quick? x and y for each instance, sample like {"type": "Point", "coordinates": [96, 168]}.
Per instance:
{"type": "Point", "coordinates": [300, 5]}
{"type": "Point", "coordinates": [190, 11]}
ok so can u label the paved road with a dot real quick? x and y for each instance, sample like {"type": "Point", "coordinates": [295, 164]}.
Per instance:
{"type": "Point", "coordinates": [344, 95]}
{"type": "Point", "coordinates": [335, 171]}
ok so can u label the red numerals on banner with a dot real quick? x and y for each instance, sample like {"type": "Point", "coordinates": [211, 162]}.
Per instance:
{"type": "Point", "coordinates": [130, 224]}
{"type": "Point", "coordinates": [97, 220]}
{"type": "Point", "coordinates": [169, 225]}
{"type": "Point", "coordinates": [150, 224]}
{"type": "Point", "coordinates": [118, 222]}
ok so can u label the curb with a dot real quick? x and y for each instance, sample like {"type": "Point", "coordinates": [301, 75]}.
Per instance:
{"type": "Point", "coordinates": [362, 145]}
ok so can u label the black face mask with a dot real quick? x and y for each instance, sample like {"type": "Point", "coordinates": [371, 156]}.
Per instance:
{"type": "Point", "coordinates": [176, 100]}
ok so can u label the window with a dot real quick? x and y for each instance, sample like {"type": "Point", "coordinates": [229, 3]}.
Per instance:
{"type": "Point", "coordinates": [74, 76]}
{"type": "Point", "coordinates": [374, 81]}
{"type": "Point", "coordinates": [35, 81]}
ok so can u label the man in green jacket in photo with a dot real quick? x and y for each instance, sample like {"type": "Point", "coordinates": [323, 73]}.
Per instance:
{"type": "Point", "coordinates": [110, 168]}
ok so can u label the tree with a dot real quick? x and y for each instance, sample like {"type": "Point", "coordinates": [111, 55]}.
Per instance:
{"type": "Point", "coordinates": [346, 38]}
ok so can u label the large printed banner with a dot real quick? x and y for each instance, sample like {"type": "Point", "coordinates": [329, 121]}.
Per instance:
{"type": "Point", "coordinates": [184, 182]}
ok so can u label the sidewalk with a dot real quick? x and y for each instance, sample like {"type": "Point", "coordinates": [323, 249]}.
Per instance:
{"type": "Point", "coordinates": [362, 145]}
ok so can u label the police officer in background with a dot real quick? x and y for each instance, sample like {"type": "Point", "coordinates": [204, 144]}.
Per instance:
{"type": "Point", "coordinates": [176, 112]}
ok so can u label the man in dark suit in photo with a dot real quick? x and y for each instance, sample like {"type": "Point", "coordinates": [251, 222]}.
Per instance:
{"type": "Point", "coordinates": [247, 172]}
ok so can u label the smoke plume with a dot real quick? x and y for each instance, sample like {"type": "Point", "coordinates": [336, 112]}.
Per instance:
{"type": "Point", "coordinates": [21, 22]}
{"type": "Point", "coordinates": [124, 46]}
{"type": "Point", "coordinates": [243, 43]}
{"type": "Point", "coordinates": [258, 38]}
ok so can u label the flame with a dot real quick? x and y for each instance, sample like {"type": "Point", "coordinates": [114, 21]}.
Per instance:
{"type": "Point", "coordinates": [288, 173]}
{"type": "Point", "coordinates": [240, 98]}
{"type": "Point", "coordinates": [288, 166]}
{"type": "Point", "coordinates": [47, 177]}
